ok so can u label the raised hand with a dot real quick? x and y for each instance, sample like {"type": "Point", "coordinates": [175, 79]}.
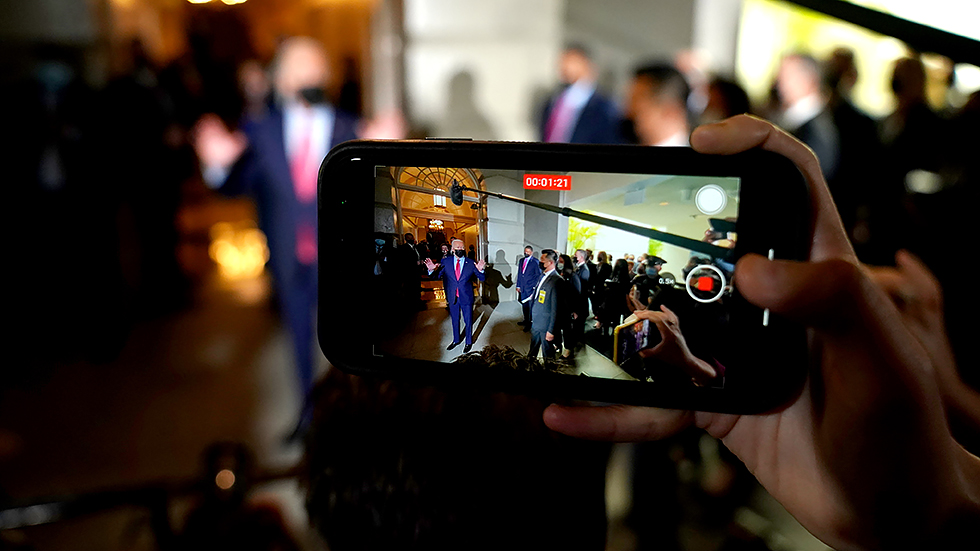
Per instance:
{"type": "Point", "coordinates": [429, 265]}
{"type": "Point", "coordinates": [481, 265]}
{"type": "Point", "coordinates": [214, 144]}
{"type": "Point", "coordinates": [672, 348]}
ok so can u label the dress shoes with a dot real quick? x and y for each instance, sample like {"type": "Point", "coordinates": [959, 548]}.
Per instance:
{"type": "Point", "coordinates": [467, 348]}
{"type": "Point", "coordinates": [453, 345]}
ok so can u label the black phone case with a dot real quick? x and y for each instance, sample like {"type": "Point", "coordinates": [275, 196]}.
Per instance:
{"type": "Point", "coordinates": [774, 198]}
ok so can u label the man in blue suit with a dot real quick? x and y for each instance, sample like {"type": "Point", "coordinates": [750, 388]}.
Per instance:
{"type": "Point", "coordinates": [579, 113]}
{"type": "Point", "coordinates": [275, 159]}
{"type": "Point", "coordinates": [457, 277]}
{"type": "Point", "coordinates": [528, 274]}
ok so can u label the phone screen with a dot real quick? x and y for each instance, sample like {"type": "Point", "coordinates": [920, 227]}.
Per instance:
{"type": "Point", "coordinates": [438, 261]}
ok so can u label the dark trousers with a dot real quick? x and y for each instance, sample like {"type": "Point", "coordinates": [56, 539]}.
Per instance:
{"type": "Point", "coordinates": [467, 310]}
{"type": "Point", "coordinates": [298, 301]}
{"type": "Point", "coordinates": [539, 342]}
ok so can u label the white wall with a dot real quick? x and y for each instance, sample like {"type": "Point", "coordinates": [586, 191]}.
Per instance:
{"type": "Point", "coordinates": [508, 47]}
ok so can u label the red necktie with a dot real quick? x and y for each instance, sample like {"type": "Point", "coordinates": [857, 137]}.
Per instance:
{"type": "Point", "coordinates": [457, 277]}
{"type": "Point", "coordinates": [304, 185]}
{"type": "Point", "coordinates": [524, 267]}
{"type": "Point", "coordinates": [558, 121]}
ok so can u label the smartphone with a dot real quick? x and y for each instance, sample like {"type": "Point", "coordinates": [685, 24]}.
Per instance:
{"type": "Point", "coordinates": [394, 316]}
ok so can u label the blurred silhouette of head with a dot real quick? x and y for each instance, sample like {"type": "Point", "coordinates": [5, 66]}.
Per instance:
{"type": "Point", "coordinates": [301, 71]}
{"type": "Point", "coordinates": [725, 99]}
{"type": "Point", "coordinates": [840, 72]}
{"type": "Point", "coordinates": [799, 77]}
{"type": "Point", "coordinates": [657, 103]}
{"type": "Point", "coordinates": [576, 64]}
{"type": "Point", "coordinates": [397, 467]}
{"type": "Point", "coordinates": [909, 82]}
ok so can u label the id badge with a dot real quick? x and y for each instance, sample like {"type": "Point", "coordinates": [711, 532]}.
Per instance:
{"type": "Point", "coordinates": [541, 295]}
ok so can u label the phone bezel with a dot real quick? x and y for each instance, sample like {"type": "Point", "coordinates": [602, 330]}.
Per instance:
{"type": "Point", "coordinates": [773, 214]}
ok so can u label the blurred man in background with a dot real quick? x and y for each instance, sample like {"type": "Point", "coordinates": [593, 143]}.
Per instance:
{"type": "Point", "coordinates": [275, 158]}
{"type": "Point", "coordinates": [657, 106]}
{"type": "Point", "coordinates": [804, 109]}
{"type": "Point", "coordinates": [579, 113]}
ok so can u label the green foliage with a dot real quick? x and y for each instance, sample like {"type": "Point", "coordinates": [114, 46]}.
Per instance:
{"type": "Point", "coordinates": [654, 247]}
{"type": "Point", "coordinates": [581, 235]}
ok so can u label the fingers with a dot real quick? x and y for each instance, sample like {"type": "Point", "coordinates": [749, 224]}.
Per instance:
{"type": "Point", "coordinates": [616, 423]}
{"type": "Point", "coordinates": [831, 294]}
{"type": "Point", "coordinates": [924, 285]}
{"type": "Point", "coordinates": [745, 132]}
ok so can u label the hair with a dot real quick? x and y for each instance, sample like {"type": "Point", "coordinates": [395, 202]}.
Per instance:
{"type": "Point", "coordinates": [666, 82]}
{"type": "Point", "coordinates": [455, 239]}
{"type": "Point", "coordinates": [529, 247]}
{"type": "Point", "coordinates": [550, 254]}
{"type": "Point", "coordinates": [603, 258]}
{"type": "Point", "coordinates": [397, 467]}
{"type": "Point", "coordinates": [585, 255]}
{"type": "Point", "coordinates": [580, 49]}
{"type": "Point", "coordinates": [809, 63]}
{"type": "Point", "coordinates": [566, 263]}
{"type": "Point", "coordinates": [621, 271]}
{"type": "Point", "coordinates": [736, 99]}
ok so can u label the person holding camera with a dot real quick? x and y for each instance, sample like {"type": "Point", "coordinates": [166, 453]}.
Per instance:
{"type": "Point", "coordinates": [863, 457]}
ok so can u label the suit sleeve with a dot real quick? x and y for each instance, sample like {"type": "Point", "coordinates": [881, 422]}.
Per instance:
{"type": "Point", "coordinates": [554, 300]}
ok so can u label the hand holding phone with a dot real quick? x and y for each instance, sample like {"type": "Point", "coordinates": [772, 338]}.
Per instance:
{"type": "Point", "coordinates": [870, 421]}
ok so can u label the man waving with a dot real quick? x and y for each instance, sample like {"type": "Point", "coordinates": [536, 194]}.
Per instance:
{"type": "Point", "coordinates": [457, 277]}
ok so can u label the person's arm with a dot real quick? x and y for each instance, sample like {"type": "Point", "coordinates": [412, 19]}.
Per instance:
{"type": "Point", "coordinates": [480, 267]}
{"type": "Point", "coordinates": [863, 457]}
{"type": "Point", "coordinates": [217, 149]}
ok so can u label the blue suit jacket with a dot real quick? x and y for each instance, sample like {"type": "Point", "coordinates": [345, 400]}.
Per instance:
{"type": "Point", "coordinates": [465, 282]}
{"type": "Point", "coordinates": [598, 121]}
{"type": "Point", "coordinates": [527, 280]}
{"type": "Point", "coordinates": [263, 172]}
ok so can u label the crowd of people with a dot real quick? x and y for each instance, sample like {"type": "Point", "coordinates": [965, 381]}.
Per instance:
{"type": "Point", "coordinates": [863, 458]}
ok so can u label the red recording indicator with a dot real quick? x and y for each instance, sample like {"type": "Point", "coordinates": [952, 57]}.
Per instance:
{"type": "Point", "coordinates": [547, 181]}
{"type": "Point", "coordinates": [705, 283]}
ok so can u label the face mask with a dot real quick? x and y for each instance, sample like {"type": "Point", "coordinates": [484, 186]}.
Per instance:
{"type": "Point", "coordinates": [651, 272]}
{"type": "Point", "coordinates": [561, 267]}
{"type": "Point", "coordinates": [526, 255]}
{"type": "Point", "coordinates": [460, 253]}
{"type": "Point", "coordinates": [541, 265]}
{"type": "Point", "coordinates": [379, 242]}
{"type": "Point", "coordinates": [313, 95]}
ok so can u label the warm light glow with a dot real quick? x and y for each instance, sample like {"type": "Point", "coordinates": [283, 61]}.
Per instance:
{"type": "Point", "coordinates": [225, 479]}
{"type": "Point", "coordinates": [198, 1]}
{"type": "Point", "coordinates": [240, 250]}
{"type": "Point", "coordinates": [233, 2]}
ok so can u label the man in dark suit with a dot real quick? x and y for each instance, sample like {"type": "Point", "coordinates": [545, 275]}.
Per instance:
{"type": "Point", "coordinates": [528, 274]}
{"type": "Point", "coordinates": [805, 113]}
{"type": "Point", "coordinates": [578, 113]}
{"type": "Point", "coordinates": [275, 158]}
{"type": "Point", "coordinates": [457, 277]}
{"type": "Point", "coordinates": [545, 302]}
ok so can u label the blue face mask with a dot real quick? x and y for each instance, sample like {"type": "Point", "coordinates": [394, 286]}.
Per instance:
{"type": "Point", "coordinates": [561, 267]}
{"type": "Point", "coordinates": [379, 242]}
{"type": "Point", "coordinates": [651, 272]}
